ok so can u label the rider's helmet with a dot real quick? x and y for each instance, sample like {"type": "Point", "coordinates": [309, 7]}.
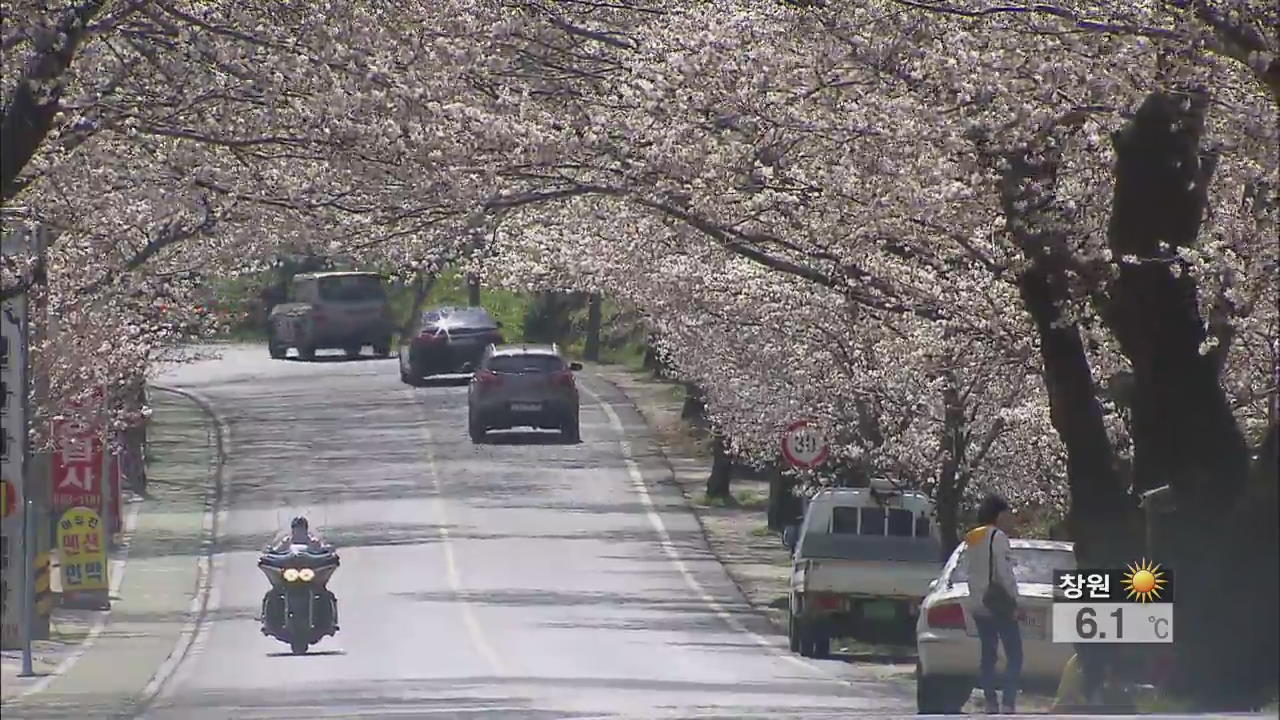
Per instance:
{"type": "Point", "coordinates": [300, 530]}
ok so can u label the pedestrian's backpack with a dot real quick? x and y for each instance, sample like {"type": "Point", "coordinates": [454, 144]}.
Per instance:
{"type": "Point", "coordinates": [996, 598]}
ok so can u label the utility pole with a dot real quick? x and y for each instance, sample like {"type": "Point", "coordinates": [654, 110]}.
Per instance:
{"type": "Point", "coordinates": [104, 484]}
{"type": "Point", "coordinates": [39, 462]}
{"type": "Point", "coordinates": [18, 531]}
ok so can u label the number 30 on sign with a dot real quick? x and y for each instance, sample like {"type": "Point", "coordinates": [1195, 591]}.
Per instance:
{"type": "Point", "coordinates": [803, 445]}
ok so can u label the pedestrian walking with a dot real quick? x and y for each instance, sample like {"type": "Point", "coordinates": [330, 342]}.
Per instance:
{"type": "Point", "coordinates": [993, 601]}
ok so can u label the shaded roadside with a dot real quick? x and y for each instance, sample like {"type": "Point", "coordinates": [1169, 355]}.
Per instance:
{"type": "Point", "coordinates": [737, 531]}
{"type": "Point", "coordinates": [97, 663]}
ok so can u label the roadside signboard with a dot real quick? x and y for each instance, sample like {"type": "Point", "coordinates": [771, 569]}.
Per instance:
{"type": "Point", "coordinates": [77, 466]}
{"type": "Point", "coordinates": [9, 499]}
{"type": "Point", "coordinates": [82, 542]}
{"type": "Point", "coordinates": [13, 436]}
{"type": "Point", "coordinates": [804, 446]}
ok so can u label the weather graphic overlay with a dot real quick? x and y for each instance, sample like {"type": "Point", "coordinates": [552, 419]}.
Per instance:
{"type": "Point", "coordinates": [1129, 605]}
{"type": "Point", "coordinates": [1144, 581]}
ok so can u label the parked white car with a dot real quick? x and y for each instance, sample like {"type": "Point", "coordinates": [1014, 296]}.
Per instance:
{"type": "Point", "coordinates": [860, 555]}
{"type": "Point", "coordinates": [947, 638]}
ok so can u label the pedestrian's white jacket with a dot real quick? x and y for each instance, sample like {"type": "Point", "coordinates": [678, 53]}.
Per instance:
{"type": "Point", "coordinates": [979, 545]}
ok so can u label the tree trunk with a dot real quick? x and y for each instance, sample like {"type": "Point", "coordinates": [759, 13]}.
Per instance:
{"type": "Point", "coordinates": [422, 284]}
{"type": "Point", "coordinates": [950, 490]}
{"type": "Point", "coordinates": [1103, 519]}
{"type": "Point", "coordinates": [721, 469]}
{"type": "Point", "coordinates": [694, 409]}
{"type": "Point", "coordinates": [36, 97]}
{"type": "Point", "coordinates": [785, 508]}
{"type": "Point", "coordinates": [1184, 431]}
{"type": "Point", "coordinates": [653, 359]}
{"type": "Point", "coordinates": [591, 350]}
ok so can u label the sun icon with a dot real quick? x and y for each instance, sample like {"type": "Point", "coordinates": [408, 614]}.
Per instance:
{"type": "Point", "coordinates": [1144, 580]}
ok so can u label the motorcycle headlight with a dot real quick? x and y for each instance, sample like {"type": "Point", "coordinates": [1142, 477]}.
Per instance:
{"type": "Point", "coordinates": [290, 574]}
{"type": "Point", "coordinates": [306, 574]}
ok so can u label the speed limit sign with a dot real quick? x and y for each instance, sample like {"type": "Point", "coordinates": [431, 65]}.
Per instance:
{"type": "Point", "coordinates": [803, 445]}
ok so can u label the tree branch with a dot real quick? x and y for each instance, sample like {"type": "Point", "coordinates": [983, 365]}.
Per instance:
{"type": "Point", "coordinates": [28, 116]}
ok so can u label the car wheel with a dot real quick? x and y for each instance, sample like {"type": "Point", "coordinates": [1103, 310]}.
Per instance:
{"type": "Point", "coordinates": [353, 351]}
{"type": "Point", "coordinates": [941, 694]}
{"type": "Point", "coordinates": [410, 380]}
{"type": "Point", "coordinates": [819, 644]}
{"type": "Point", "coordinates": [571, 431]}
{"type": "Point", "coordinates": [793, 633]}
{"type": "Point", "coordinates": [382, 349]}
{"type": "Point", "coordinates": [476, 430]}
{"type": "Point", "coordinates": [276, 350]}
{"type": "Point", "coordinates": [307, 352]}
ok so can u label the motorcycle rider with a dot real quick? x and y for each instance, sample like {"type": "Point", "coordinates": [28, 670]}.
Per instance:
{"type": "Point", "coordinates": [299, 534]}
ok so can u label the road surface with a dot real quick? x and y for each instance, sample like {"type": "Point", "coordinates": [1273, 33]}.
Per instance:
{"type": "Point", "coordinates": [520, 579]}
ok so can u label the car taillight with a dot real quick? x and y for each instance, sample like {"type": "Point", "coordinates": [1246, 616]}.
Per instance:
{"type": "Point", "coordinates": [948, 615]}
{"type": "Point", "coordinates": [318, 317]}
{"type": "Point", "coordinates": [431, 336]}
{"type": "Point", "coordinates": [488, 378]}
{"type": "Point", "coordinates": [563, 377]}
{"type": "Point", "coordinates": [825, 601]}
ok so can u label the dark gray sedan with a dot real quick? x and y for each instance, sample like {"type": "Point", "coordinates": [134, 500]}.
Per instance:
{"type": "Point", "coordinates": [447, 340]}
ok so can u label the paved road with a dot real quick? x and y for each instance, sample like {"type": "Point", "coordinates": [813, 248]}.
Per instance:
{"type": "Point", "coordinates": [520, 579]}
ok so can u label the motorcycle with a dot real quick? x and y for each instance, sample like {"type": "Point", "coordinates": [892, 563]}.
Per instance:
{"type": "Point", "coordinates": [299, 609]}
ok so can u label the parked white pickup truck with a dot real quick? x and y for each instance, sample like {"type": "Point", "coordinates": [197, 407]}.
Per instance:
{"type": "Point", "coordinates": [860, 555]}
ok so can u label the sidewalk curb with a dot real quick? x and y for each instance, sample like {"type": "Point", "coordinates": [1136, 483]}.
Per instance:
{"type": "Point", "coordinates": [118, 567]}
{"type": "Point", "coordinates": [120, 564]}
{"type": "Point", "coordinates": [214, 518]}
{"type": "Point", "coordinates": [666, 451]}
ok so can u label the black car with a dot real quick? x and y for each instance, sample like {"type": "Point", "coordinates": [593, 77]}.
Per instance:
{"type": "Point", "coordinates": [447, 340]}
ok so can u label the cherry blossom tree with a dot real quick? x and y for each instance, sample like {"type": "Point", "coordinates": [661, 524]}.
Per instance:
{"type": "Point", "coordinates": [884, 154]}
{"type": "Point", "coordinates": [160, 143]}
{"type": "Point", "coordinates": [888, 215]}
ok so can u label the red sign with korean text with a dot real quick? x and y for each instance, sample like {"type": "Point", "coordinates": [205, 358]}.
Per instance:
{"type": "Point", "coordinates": [77, 466]}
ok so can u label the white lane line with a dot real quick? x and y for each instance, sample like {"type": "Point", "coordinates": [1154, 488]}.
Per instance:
{"type": "Point", "coordinates": [450, 559]}
{"type": "Point", "coordinates": [192, 636]}
{"type": "Point", "coordinates": [118, 566]}
{"type": "Point", "coordinates": [670, 550]}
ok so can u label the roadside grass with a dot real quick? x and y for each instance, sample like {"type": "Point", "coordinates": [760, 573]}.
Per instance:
{"type": "Point", "coordinates": [751, 500]}
{"type": "Point", "coordinates": [706, 500]}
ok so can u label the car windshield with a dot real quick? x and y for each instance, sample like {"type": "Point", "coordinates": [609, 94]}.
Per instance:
{"type": "Point", "coordinates": [1030, 565]}
{"type": "Point", "coordinates": [459, 317]}
{"type": "Point", "coordinates": [525, 364]}
{"type": "Point", "coordinates": [351, 287]}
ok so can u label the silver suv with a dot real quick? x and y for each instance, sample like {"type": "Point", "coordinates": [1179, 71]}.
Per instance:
{"type": "Point", "coordinates": [523, 386]}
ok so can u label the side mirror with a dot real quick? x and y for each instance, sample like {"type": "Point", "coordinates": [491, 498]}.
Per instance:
{"type": "Point", "coordinates": [790, 534]}
{"type": "Point", "coordinates": [575, 366]}
{"type": "Point", "coordinates": [933, 584]}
